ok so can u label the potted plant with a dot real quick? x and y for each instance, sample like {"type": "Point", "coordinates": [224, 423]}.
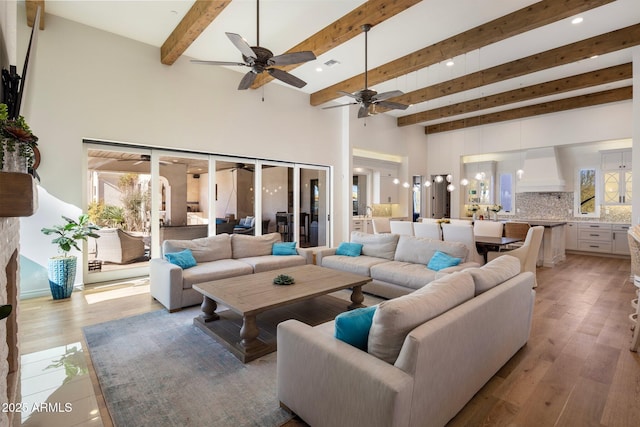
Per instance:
{"type": "Point", "coordinates": [17, 143]}
{"type": "Point", "coordinates": [62, 268]}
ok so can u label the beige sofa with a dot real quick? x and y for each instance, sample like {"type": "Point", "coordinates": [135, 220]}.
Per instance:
{"type": "Point", "coordinates": [218, 257]}
{"type": "Point", "coordinates": [428, 352]}
{"type": "Point", "coordinates": [397, 264]}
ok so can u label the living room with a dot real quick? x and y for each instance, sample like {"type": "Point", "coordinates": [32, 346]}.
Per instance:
{"type": "Point", "coordinates": [87, 84]}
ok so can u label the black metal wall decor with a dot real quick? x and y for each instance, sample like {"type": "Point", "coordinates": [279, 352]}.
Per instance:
{"type": "Point", "coordinates": [11, 90]}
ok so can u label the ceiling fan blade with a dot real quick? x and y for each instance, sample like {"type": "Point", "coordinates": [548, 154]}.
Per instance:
{"type": "Point", "coordinates": [363, 111]}
{"type": "Point", "coordinates": [350, 95]}
{"type": "Point", "coordinates": [392, 105]}
{"type": "Point", "coordinates": [286, 77]}
{"type": "Point", "coordinates": [247, 80]}
{"type": "Point", "coordinates": [242, 45]}
{"type": "Point", "coordinates": [386, 95]}
{"type": "Point", "coordinates": [293, 58]}
{"type": "Point", "coordinates": [197, 61]}
{"type": "Point", "coordinates": [339, 105]}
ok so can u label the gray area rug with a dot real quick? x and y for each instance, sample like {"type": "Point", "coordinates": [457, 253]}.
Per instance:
{"type": "Point", "coordinates": [157, 369]}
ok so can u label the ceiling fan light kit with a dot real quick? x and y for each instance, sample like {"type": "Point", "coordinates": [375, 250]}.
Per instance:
{"type": "Point", "coordinates": [261, 59]}
{"type": "Point", "coordinates": [367, 98]}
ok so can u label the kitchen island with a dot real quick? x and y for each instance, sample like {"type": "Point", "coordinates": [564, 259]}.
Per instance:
{"type": "Point", "coordinates": [552, 248]}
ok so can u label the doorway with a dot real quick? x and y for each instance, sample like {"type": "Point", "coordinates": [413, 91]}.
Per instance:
{"type": "Point", "coordinates": [440, 197]}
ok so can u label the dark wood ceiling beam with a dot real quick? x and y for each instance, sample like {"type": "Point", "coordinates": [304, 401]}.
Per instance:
{"type": "Point", "coordinates": [580, 81]}
{"type": "Point", "coordinates": [32, 8]}
{"type": "Point", "coordinates": [201, 14]}
{"type": "Point", "coordinates": [344, 29]}
{"type": "Point", "coordinates": [518, 22]}
{"type": "Point", "coordinates": [598, 98]}
{"type": "Point", "coordinates": [599, 45]}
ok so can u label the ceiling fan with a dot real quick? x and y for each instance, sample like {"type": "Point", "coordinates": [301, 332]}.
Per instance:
{"type": "Point", "coordinates": [261, 59]}
{"type": "Point", "coordinates": [143, 158]}
{"type": "Point", "coordinates": [369, 98]}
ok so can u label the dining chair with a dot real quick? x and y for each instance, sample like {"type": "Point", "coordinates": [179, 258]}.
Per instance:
{"type": "Point", "coordinates": [518, 230]}
{"type": "Point", "coordinates": [430, 220]}
{"type": "Point", "coordinates": [431, 230]}
{"type": "Point", "coordinates": [401, 227]}
{"type": "Point", "coordinates": [462, 233]}
{"type": "Point", "coordinates": [460, 221]}
{"type": "Point", "coordinates": [527, 253]}
{"type": "Point", "coordinates": [488, 228]}
{"type": "Point", "coordinates": [380, 225]}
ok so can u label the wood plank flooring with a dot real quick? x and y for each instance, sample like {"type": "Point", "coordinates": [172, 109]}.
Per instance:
{"type": "Point", "coordinates": [576, 369]}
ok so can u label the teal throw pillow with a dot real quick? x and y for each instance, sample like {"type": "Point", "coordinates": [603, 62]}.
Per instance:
{"type": "Point", "coordinates": [183, 258]}
{"type": "Point", "coordinates": [349, 249]}
{"type": "Point", "coordinates": [353, 326]}
{"type": "Point", "coordinates": [284, 248]}
{"type": "Point", "coordinates": [440, 260]}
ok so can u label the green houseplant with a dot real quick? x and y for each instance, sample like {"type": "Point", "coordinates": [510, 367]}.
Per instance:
{"type": "Point", "coordinates": [17, 143]}
{"type": "Point", "coordinates": [62, 268]}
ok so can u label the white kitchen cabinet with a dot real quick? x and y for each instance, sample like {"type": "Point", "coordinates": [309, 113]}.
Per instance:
{"type": "Point", "coordinates": [617, 178]}
{"type": "Point", "coordinates": [620, 244]}
{"type": "Point", "coordinates": [385, 190]}
{"type": "Point", "coordinates": [600, 238]}
{"type": "Point", "coordinates": [362, 224]}
{"type": "Point", "coordinates": [571, 235]}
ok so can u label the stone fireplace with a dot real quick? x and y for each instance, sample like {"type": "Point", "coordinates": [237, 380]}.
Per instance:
{"type": "Point", "coordinates": [9, 352]}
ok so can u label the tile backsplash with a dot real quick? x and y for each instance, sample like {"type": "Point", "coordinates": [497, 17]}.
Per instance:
{"type": "Point", "coordinates": [560, 206]}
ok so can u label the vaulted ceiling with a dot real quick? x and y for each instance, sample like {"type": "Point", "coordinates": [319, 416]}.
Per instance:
{"type": "Point", "coordinates": [459, 64]}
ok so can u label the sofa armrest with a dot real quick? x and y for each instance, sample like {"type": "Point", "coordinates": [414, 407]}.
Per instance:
{"type": "Point", "coordinates": [307, 254]}
{"type": "Point", "coordinates": [165, 283]}
{"type": "Point", "coordinates": [460, 267]}
{"type": "Point", "coordinates": [324, 252]}
{"type": "Point", "coordinates": [328, 382]}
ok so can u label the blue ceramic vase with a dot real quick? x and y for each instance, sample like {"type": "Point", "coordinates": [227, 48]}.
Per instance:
{"type": "Point", "coordinates": [62, 274]}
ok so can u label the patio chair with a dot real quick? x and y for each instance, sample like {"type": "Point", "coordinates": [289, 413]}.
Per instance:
{"type": "Point", "coordinates": [119, 247]}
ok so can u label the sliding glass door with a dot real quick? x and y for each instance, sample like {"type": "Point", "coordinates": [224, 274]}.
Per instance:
{"type": "Point", "coordinates": [314, 206]}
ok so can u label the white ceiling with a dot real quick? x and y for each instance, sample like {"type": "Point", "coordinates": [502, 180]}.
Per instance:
{"type": "Point", "coordinates": [285, 23]}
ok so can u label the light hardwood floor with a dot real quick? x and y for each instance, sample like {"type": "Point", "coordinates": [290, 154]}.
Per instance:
{"type": "Point", "coordinates": [576, 369]}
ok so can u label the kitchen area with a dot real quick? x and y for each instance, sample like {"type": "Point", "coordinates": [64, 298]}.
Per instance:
{"type": "Point", "coordinates": [581, 194]}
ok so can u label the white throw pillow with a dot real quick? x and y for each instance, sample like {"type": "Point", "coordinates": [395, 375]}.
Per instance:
{"type": "Point", "coordinates": [494, 272]}
{"type": "Point", "coordinates": [395, 318]}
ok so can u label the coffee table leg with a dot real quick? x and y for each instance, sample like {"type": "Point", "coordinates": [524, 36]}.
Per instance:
{"type": "Point", "coordinates": [249, 332]}
{"type": "Point", "coordinates": [356, 298]}
{"type": "Point", "coordinates": [208, 308]}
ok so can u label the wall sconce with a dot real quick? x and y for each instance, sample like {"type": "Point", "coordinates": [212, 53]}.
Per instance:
{"type": "Point", "coordinates": [520, 173]}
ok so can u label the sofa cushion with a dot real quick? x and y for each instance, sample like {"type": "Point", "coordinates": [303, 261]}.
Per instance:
{"type": "Point", "coordinates": [204, 249]}
{"type": "Point", "coordinates": [358, 265]}
{"type": "Point", "coordinates": [349, 249]}
{"type": "Point", "coordinates": [214, 270]}
{"type": "Point", "coordinates": [420, 250]}
{"type": "Point", "coordinates": [494, 272]}
{"type": "Point", "coordinates": [440, 261]}
{"type": "Point", "coordinates": [183, 259]}
{"type": "Point", "coordinates": [405, 274]}
{"type": "Point", "coordinates": [271, 262]}
{"type": "Point", "coordinates": [376, 245]}
{"type": "Point", "coordinates": [353, 326]}
{"type": "Point", "coordinates": [244, 246]}
{"type": "Point", "coordinates": [395, 318]}
{"type": "Point", "coordinates": [284, 248]}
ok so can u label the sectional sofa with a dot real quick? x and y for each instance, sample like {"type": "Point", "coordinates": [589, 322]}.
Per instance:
{"type": "Point", "coordinates": [427, 353]}
{"type": "Point", "coordinates": [217, 257]}
{"type": "Point", "coordinates": [396, 263]}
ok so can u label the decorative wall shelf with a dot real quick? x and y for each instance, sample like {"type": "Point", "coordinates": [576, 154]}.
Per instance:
{"type": "Point", "coordinates": [18, 194]}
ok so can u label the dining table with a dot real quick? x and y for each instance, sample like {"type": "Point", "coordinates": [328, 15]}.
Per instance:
{"type": "Point", "coordinates": [486, 243]}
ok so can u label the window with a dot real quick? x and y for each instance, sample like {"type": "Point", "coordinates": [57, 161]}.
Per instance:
{"type": "Point", "coordinates": [587, 203]}
{"type": "Point", "coordinates": [506, 192]}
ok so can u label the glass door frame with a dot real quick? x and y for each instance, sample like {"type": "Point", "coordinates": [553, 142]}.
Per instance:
{"type": "Point", "coordinates": [327, 197]}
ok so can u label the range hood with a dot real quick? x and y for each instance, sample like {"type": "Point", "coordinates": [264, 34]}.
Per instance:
{"type": "Point", "coordinates": [541, 172]}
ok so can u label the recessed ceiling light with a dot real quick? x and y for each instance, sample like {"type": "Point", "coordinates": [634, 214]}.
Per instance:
{"type": "Point", "coordinates": [319, 69]}
{"type": "Point", "coordinates": [577, 20]}
{"type": "Point", "coordinates": [450, 63]}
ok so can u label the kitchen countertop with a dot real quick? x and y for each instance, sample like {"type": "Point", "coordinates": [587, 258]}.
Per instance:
{"type": "Point", "coordinates": [545, 223]}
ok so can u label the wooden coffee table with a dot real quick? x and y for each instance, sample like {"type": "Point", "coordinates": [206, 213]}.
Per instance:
{"type": "Point", "coordinates": [252, 294]}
